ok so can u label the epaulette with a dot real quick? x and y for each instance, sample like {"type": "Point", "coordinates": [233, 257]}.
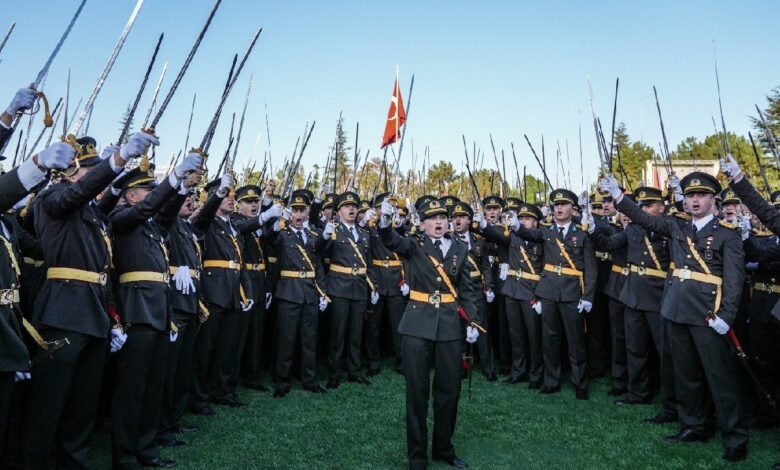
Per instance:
{"type": "Point", "coordinates": [762, 233]}
{"type": "Point", "coordinates": [579, 226]}
{"type": "Point", "coordinates": [682, 215]}
{"type": "Point", "coordinates": [728, 225]}
{"type": "Point", "coordinates": [477, 236]}
{"type": "Point", "coordinates": [545, 223]}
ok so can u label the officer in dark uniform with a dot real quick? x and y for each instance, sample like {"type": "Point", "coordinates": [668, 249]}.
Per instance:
{"type": "Point", "coordinates": [481, 275]}
{"type": "Point", "coordinates": [73, 304]}
{"type": "Point", "coordinates": [497, 321]}
{"type": "Point", "coordinates": [700, 300]}
{"type": "Point", "coordinates": [566, 291]}
{"type": "Point", "coordinates": [299, 294]}
{"type": "Point", "coordinates": [521, 277]}
{"type": "Point", "coordinates": [140, 232]}
{"type": "Point", "coordinates": [432, 328]}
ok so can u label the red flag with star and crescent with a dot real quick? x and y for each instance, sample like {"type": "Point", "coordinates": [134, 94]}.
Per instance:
{"type": "Point", "coordinates": [396, 117]}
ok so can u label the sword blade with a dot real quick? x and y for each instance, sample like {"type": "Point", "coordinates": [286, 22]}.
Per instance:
{"type": "Point", "coordinates": [5, 39]}
{"type": "Point", "coordinates": [130, 115]}
{"type": "Point", "coordinates": [53, 54]}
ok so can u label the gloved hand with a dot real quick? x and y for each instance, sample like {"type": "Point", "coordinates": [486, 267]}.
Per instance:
{"type": "Point", "coordinates": [480, 220]}
{"type": "Point", "coordinates": [328, 230]}
{"type": "Point", "coordinates": [173, 335]}
{"type": "Point", "coordinates": [272, 212]}
{"type": "Point", "coordinates": [609, 184]}
{"type": "Point", "coordinates": [537, 306]}
{"type": "Point", "coordinates": [118, 338]}
{"type": "Point", "coordinates": [21, 375]}
{"type": "Point", "coordinates": [745, 227]}
{"type": "Point", "coordinates": [583, 200]}
{"type": "Point", "coordinates": [490, 296]}
{"type": "Point", "coordinates": [245, 307]}
{"type": "Point", "coordinates": [193, 161]}
{"type": "Point", "coordinates": [513, 221]}
{"type": "Point", "coordinates": [545, 211]}
{"type": "Point", "coordinates": [674, 183]}
{"type": "Point", "coordinates": [374, 297]}
{"type": "Point", "coordinates": [386, 208]}
{"type": "Point", "coordinates": [717, 324]}
{"type": "Point", "coordinates": [590, 221]}
{"type": "Point", "coordinates": [183, 280]}
{"type": "Point", "coordinates": [368, 216]}
{"type": "Point", "coordinates": [137, 145]}
{"type": "Point", "coordinates": [504, 272]}
{"type": "Point", "coordinates": [286, 213]}
{"type": "Point", "coordinates": [404, 289]}
{"type": "Point", "coordinates": [23, 99]}
{"type": "Point", "coordinates": [268, 298]}
{"type": "Point", "coordinates": [584, 306]}
{"type": "Point", "coordinates": [225, 183]}
{"type": "Point", "coordinates": [323, 304]}
{"type": "Point", "coordinates": [109, 151]}
{"type": "Point", "coordinates": [58, 155]}
{"type": "Point", "coordinates": [730, 168]}
{"type": "Point", "coordinates": [471, 334]}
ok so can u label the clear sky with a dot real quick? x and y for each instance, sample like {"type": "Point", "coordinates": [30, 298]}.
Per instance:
{"type": "Point", "coordinates": [500, 67]}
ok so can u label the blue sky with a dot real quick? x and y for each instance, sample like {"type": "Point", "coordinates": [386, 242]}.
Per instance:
{"type": "Point", "coordinates": [500, 67]}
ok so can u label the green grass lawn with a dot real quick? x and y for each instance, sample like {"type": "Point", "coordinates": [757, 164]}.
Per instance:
{"type": "Point", "coordinates": [501, 427]}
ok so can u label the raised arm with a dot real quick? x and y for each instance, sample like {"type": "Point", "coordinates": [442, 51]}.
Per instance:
{"type": "Point", "coordinates": [765, 212]}
{"type": "Point", "coordinates": [661, 225]}
{"type": "Point", "coordinates": [128, 218]}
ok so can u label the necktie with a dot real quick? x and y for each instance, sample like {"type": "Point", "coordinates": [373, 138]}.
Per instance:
{"type": "Point", "coordinates": [560, 230]}
{"type": "Point", "coordinates": [355, 234]}
{"type": "Point", "coordinates": [693, 227]}
{"type": "Point", "coordinates": [437, 244]}
{"type": "Point", "coordinates": [300, 237]}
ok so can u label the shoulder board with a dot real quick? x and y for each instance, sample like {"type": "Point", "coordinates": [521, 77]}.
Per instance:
{"type": "Point", "coordinates": [545, 223]}
{"type": "Point", "coordinates": [682, 215]}
{"type": "Point", "coordinates": [579, 226]}
{"type": "Point", "coordinates": [728, 225]}
{"type": "Point", "coordinates": [762, 233]}
{"type": "Point", "coordinates": [477, 236]}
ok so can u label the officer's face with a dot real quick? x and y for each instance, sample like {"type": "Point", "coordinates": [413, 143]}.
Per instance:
{"type": "Point", "coordinates": [654, 208]}
{"type": "Point", "coordinates": [729, 211]}
{"type": "Point", "coordinates": [135, 195]}
{"type": "Point", "coordinates": [699, 205]}
{"type": "Point", "coordinates": [461, 223]}
{"type": "Point", "coordinates": [492, 214]}
{"type": "Point", "coordinates": [187, 208]}
{"type": "Point", "coordinates": [348, 213]}
{"type": "Point", "coordinates": [227, 206]}
{"type": "Point", "coordinates": [562, 212]}
{"type": "Point", "coordinates": [529, 222]}
{"type": "Point", "coordinates": [299, 215]}
{"type": "Point", "coordinates": [328, 213]}
{"type": "Point", "coordinates": [608, 207]}
{"type": "Point", "coordinates": [248, 208]}
{"type": "Point", "coordinates": [435, 226]}
{"type": "Point", "coordinates": [624, 220]}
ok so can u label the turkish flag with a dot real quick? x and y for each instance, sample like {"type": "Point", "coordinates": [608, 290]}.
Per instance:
{"type": "Point", "coordinates": [396, 117]}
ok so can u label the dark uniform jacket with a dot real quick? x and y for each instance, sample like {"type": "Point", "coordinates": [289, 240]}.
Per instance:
{"type": "Point", "coordinates": [73, 235]}
{"type": "Point", "coordinates": [516, 286]}
{"type": "Point", "coordinates": [765, 280]}
{"type": "Point", "coordinates": [11, 189]}
{"type": "Point", "coordinates": [5, 134]}
{"type": "Point", "coordinates": [299, 290]}
{"type": "Point", "coordinates": [253, 254]}
{"type": "Point", "coordinates": [561, 287]}
{"type": "Point", "coordinates": [423, 319]}
{"type": "Point", "coordinates": [345, 252]}
{"type": "Point", "coordinates": [13, 352]}
{"type": "Point", "coordinates": [140, 245]}
{"type": "Point", "coordinates": [719, 246]}
{"type": "Point", "coordinates": [640, 291]}
{"type": "Point", "coordinates": [388, 278]}
{"type": "Point", "coordinates": [605, 226]}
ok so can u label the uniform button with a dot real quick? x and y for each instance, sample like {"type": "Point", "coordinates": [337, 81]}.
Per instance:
{"type": "Point", "coordinates": [645, 252]}
{"type": "Point", "coordinates": [687, 256]}
{"type": "Point", "coordinates": [713, 292]}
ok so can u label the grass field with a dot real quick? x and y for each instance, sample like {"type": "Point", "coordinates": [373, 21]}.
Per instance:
{"type": "Point", "coordinates": [501, 427]}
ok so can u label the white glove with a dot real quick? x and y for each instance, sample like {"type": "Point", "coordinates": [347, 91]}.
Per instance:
{"type": "Point", "coordinates": [137, 145]}
{"type": "Point", "coordinates": [471, 334]}
{"type": "Point", "coordinates": [225, 183]}
{"type": "Point", "coordinates": [730, 168]}
{"type": "Point", "coordinates": [191, 162]}
{"type": "Point", "coordinates": [273, 211]}
{"type": "Point", "coordinates": [245, 307]}
{"type": "Point", "coordinates": [21, 375]}
{"type": "Point", "coordinates": [404, 289]}
{"type": "Point", "coordinates": [582, 201]}
{"type": "Point", "coordinates": [118, 338]}
{"type": "Point", "coordinates": [23, 99]}
{"type": "Point", "coordinates": [183, 280]}
{"type": "Point", "coordinates": [545, 211]}
{"type": "Point", "coordinates": [537, 306]}
{"type": "Point", "coordinates": [745, 227]}
{"type": "Point", "coordinates": [590, 221]}
{"type": "Point", "coordinates": [268, 298]}
{"type": "Point", "coordinates": [609, 184]}
{"type": "Point", "coordinates": [328, 230]}
{"type": "Point", "coordinates": [286, 213]}
{"type": "Point", "coordinates": [369, 215]}
{"type": "Point", "coordinates": [386, 208]}
{"type": "Point", "coordinates": [717, 324]}
{"type": "Point", "coordinates": [57, 155]}
{"type": "Point", "coordinates": [513, 221]}
{"type": "Point", "coordinates": [480, 220]}
{"type": "Point", "coordinates": [490, 296]}
{"type": "Point", "coordinates": [323, 304]}
{"type": "Point", "coordinates": [674, 183]}
{"type": "Point", "coordinates": [584, 306]}
{"type": "Point", "coordinates": [109, 151]}
{"type": "Point", "coordinates": [173, 335]}
{"type": "Point", "coordinates": [374, 298]}
{"type": "Point", "coordinates": [504, 272]}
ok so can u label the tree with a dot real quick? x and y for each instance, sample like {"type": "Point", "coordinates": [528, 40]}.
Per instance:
{"type": "Point", "coordinates": [772, 116]}
{"type": "Point", "coordinates": [126, 117]}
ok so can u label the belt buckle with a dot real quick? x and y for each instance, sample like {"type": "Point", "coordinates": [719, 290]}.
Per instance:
{"type": "Point", "coordinates": [768, 288]}
{"type": "Point", "coordinates": [625, 270]}
{"type": "Point", "coordinates": [102, 279]}
{"type": "Point", "coordinates": [302, 274]}
{"type": "Point", "coordinates": [435, 299]}
{"type": "Point", "coordinates": [557, 269]}
{"type": "Point", "coordinates": [641, 270]}
{"type": "Point", "coordinates": [355, 270]}
{"type": "Point", "coordinates": [256, 267]}
{"type": "Point", "coordinates": [385, 263]}
{"type": "Point", "coordinates": [231, 264]}
{"type": "Point", "coordinates": [196, 274]}
{"type": "Point", "coordinates": [6, 296]}
{"type": "Point", "coordinates": [519, 273]}
{"type": "Point", "coordinates": [684, 274]}
{"type": "Point", "coordinates": [166, 278]}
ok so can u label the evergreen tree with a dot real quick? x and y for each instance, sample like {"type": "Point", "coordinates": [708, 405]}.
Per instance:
{"type": "Point", "coordinates": [122, 122]}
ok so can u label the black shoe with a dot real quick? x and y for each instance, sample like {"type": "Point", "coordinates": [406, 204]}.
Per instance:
{"type": "Point", "coordinates": [662, 418]}
{"type": "Point", "coordinates": [257, 386]}
{"type": "Point", "coordinates": [281, 391]}
{"type": "Point", "coordinates": [735, 454]}
{"type": "Point", "coordinates": [687, 435]}
{"type": "Point", "coordinates": [505, 371]}
{"type": "Point", "coordinates": [581, 394]}
{"type": "Point", "coordinates": [776, 466]}
{"type": "Point", "coordinates": [171, 442]}
{"type": "Point", "coordinates": [359, 380]}
{"type": "Point", "coordinates": [159, 462]}
{"type": "Point", "coordinates": [452, 461]}
{"type": "Point", "coordinates": [516, 380]}
{"type": "Point", "coordinates": [372, 372]}
{"type": "Point", "coordinates": [632, 402]}
{"type": "Point", "coordinates": [616, 391]}
{"type": "Point", "coordinates": [333, 383]}
{"type": "Point", "coordinates": [491, 377]}
{"type": "Point", "coordinates": [185, 429]}
{"type": "Point", "coordinates": [534, 385]}
{"type": "Point", "coordinates": [316, 388]}
{"type": "Point", "coordinates": [204, 410]}
{"type": "Point", "coordinates": [546, 390]}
